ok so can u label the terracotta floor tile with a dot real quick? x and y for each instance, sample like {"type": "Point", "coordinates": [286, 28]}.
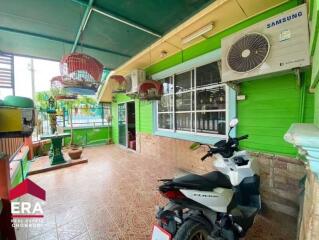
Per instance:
{"type": "Point", "coordinates": [67, 235]}
{"type": "Point", "coordinates": [51, 235]}
{"type": "Point", "coordinates": [84, 236]}
{"type": "Point", "coordinates": [113, 197]}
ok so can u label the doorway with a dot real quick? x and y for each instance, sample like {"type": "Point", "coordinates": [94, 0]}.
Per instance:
{"type": "Point", "coordinates": [126, 125]}
{"type": "Point", "coordinates": [131, 128]}
{"type": "Point", "coordinates": [122, 124]}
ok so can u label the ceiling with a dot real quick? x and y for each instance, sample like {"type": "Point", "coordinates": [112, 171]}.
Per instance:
{"type": "Point", "coordinates": [222, 13]}
{"type": "Point", "coordinates": [113, 31]}
{"type": "Point", "coordinates": [216, 13]}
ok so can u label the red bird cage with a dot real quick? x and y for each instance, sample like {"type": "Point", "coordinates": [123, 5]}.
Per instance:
{"type": "Point", "coordinates": [119, 83]}
{"type": "Point", "coordinates": [59, 91]}
{"type": "Point", "coordinates": [81, 74]}
{"type": "Point", "coordinates": [150, 90]}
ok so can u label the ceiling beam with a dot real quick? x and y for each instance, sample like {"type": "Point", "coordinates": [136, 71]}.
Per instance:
{"type": "Point", "coordinates": [119, 18]}
{"type": "Point", "coordinates": [52, 38]}
{"type": "Point", "coordinates": [84, 21]}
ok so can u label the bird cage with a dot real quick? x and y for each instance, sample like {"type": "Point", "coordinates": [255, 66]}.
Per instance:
{"type": "Point", "coordinates": [150, 90]}
{"type": "Point", "coordinates": [81, 74]}
{"type": "Point", "coordinates": [58, 90]}
{"type": "Point", "coordinates": [119, 83]}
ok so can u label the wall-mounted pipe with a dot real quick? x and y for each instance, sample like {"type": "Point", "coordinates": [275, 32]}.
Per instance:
{"type": "Point", "coordinates": [302, 98]}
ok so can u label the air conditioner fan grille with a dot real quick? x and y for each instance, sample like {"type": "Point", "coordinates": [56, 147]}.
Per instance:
{"type": "Point", "coordinates": [248, 53]}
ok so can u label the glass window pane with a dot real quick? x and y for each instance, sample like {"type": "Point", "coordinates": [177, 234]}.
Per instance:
{"type": "Point", "coordinates": [183, 101]}
{"type": "Point", "coordinates": [165, 120]}
{"type": "Point", "coordinates": [207, 75]}
{"type": "Point", "coordinates": [183, 121]}
{"type": "Point", "coordinates": [210, 99]}
{"type": "Point", "coordinates": [168, 86]}
{"type": "Point", "coordinates": [183, 82]}
{"type": "Point", "coordinates": [193, 121]}
{"type": "Point", "coordinates": [5, 92]}
{"type": "Point", "coordinates": [166, 104]}
{"type": "Point", "coordinates": [211, 122]}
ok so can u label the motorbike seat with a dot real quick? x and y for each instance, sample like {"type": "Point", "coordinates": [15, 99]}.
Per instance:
{"type": "Point", "coordinates": [206, 182]}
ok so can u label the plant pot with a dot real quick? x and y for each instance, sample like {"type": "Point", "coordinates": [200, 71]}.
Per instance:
{"type": "Point", "coordinates": [75, 153]}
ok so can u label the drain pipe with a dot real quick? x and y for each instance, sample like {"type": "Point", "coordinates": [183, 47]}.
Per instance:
{"type": "Point", "coordinates": [302, 98]}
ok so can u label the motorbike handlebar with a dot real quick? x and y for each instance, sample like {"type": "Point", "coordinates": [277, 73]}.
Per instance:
{"type": "Point", "coordinates": [206, 156]}
{"type": "Point", "coordinates": [213, 150]}
{"type": "Point", "coordinates": [242, 137]}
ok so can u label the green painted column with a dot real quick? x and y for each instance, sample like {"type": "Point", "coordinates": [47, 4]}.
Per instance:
{"type": "Point", "coordinates": [56, 155]}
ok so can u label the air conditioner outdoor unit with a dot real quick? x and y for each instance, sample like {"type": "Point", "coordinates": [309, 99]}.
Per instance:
{"type": "Point", "coordinates": [275, 45]}
{"type": "Point", "coordinates": [133, 80]}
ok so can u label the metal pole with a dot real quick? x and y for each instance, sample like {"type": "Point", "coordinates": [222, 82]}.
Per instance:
{"type": "Point", "coordinates": [32, 78]}
{"type": "Point", "coordinates": [126, 22]}
{"type": "Point", "coordinates": [12, 76]}
{"type": "Point", "coordinates": [84, 21]}
{"type": "Point", "coordinates": [119, 19]}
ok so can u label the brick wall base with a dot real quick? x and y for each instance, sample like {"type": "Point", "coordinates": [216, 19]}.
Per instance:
{"type": "Point", "coordinates": [280, 176]}
{"type": "Point", "coordinates": [309, 215]}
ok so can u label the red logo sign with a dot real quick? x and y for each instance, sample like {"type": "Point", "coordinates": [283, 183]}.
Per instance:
{"type": "Point", "coordinates": [27, 186]}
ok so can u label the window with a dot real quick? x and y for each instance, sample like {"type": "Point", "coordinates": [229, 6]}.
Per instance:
{"type": "Point", "coordinates": [194, 101]}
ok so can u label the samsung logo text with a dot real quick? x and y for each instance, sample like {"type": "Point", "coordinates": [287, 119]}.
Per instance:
{"type": "Point", "coordinates": [284, 19]}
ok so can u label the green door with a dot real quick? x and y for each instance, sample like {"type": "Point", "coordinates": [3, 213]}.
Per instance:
{"type": "Point", "coordinates": [122, 124]}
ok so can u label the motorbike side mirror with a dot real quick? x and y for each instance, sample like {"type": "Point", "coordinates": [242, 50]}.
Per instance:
{"type": "Point", "coordinates": [233, 122]}
{"type": "Point", "coordinates": [195, 146]}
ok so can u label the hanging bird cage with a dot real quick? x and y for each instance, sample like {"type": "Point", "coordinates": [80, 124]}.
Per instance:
{"type": "Point", "coordinates": [150, 90]}
{"type": "Point", "coordinates": [58, 90]}
{"type": "Point", "coordinates": [119, 83]}
{"type": "Point", "coordinates": [81, 74]}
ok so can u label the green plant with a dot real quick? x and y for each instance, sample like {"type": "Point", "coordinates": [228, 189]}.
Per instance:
{"type": "Point", "coordinates": [41, 99]}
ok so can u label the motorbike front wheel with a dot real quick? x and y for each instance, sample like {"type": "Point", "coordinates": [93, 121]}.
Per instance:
{"type": "Point", "coordinates": [192, 230]}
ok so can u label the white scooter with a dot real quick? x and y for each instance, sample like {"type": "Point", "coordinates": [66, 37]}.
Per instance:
{"type": "Point", "coordinates": [219, 205]}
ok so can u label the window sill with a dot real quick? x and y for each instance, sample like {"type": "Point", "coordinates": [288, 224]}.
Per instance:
{"type": "Point", "coordinates": [202, 138]}
{"type": "Point", "coordinates": [305, 137]}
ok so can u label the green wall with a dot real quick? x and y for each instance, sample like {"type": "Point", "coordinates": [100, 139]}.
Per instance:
{"type": "Point", "coordinates": [271, 106]}
{"type": "Point", "coordinates": [90, 136]}
{"type": "Point", "coordinates": [143, 115]}
{"type": "Point", "coordinates": [316, 114]}
{"type": "Point", "coordinates": [315, 54]}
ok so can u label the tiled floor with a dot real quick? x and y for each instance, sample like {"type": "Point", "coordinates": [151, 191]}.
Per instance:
{"type": "Point", "coordinates": [43, 164]}
{"type": "Point", "coordinates": [114, 197]}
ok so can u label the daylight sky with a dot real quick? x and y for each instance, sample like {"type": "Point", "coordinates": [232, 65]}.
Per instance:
{"type": "Point", "coordinates": [44, 71]}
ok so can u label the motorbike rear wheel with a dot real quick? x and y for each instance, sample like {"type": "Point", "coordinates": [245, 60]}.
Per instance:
{"type": "Point", "coordinates": [192, 230]}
